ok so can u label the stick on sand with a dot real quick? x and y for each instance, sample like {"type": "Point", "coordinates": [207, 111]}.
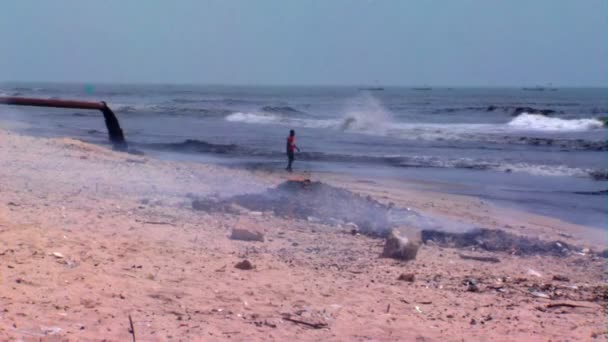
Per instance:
{"type": "Point", "coordinates": [132, 330]}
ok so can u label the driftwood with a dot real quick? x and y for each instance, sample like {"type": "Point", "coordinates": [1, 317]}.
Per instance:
{"type": "Point", "coordinates": [479, 258]}
{"type": "Point", "coordinates": [315, 325]}
{"type": "Point", "coordinates": [562, 305]}
{"type": "Point", "coordinates": [131, 329]}
{"type": "Point", "coordinates": [567, 305]}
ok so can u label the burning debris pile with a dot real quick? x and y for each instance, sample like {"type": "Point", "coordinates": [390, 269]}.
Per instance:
{"type": "Point", "coordinates": [313, 201]}
{"type": "Point", "coordinates": [495, 240]}
{"type": "Point", "coordinates": [318, 202]}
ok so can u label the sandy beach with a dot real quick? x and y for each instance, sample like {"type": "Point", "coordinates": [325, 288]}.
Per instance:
{"type": "Point", "coordinates": [91, 239]}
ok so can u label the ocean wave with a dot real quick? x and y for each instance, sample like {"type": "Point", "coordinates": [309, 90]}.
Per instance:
{"type": "Point", "coordinates": [492, 134]}
{"type": "Point", "coordinates": [281, 110]}
{"type": "Point", "coordinates": [274, 119]}
{"type": "Point", "coordinates": [184, 100]}
{"type": "Point", "coordinates": [546, 170]}
{"type": "Point", "coordinates": [198, 146]}
{"type": "Point", "coordinates": [254, 118]}
{"type": "Point", "coordinates": [592, 193]}
{"type": "Point", "coordinates": [130, 108]}
{"type": "Point", "coordinates": [531, 169]}
{"type": "Point", "coordinates": [542, 123]}
{"type": "Point", "coordinates": [166, 109]}
{"type": "Point", "coordinates": [26, 89]}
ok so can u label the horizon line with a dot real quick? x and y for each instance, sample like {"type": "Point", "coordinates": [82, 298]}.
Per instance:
{"type": "Point", "coordinates": [361, 85]}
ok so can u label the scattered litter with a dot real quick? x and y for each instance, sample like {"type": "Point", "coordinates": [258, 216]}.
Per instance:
{"type": "Point", "coordinates": [496, 240]}
{"type": "Point", "coordinates": [560, 278]}
{"type": "Point", "coordinates": [418, 309]}
{"type": "Point", "coordinates": [534, 273]}
{"type": "Point", "coordinates": [70, 263]}
{"type": "Point", "coordinates": [540, 294]}
{"type": "Point", "coordinates": [50, 330]}
{"type": "Point", "coordinates": [471, 284]}
{"type": "Point", "coordinates": [58, 255]}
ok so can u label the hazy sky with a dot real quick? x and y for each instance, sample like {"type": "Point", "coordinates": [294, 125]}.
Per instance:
{"type": "Point", "coordinates": [400, 42]}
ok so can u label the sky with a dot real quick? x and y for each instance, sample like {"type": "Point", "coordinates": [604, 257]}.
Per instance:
{"type": "Point", "coordinates": [312, 42]}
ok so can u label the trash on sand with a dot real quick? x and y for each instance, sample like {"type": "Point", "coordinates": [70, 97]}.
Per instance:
{"type": "Point", "coordinates": [539, 294]}
{"type": "Point", "coordinates": [534, 273]}
{"type": "Point", "coordinates": [558, 277]}
{"type": "Point", "coordinates": [418, 309]}
{"type": "Point", "coordinates": [58, 255]}
{"type": "Point", "coordinates": [471, 284]}
{"type": "Point", "coordinates": [50, 330]}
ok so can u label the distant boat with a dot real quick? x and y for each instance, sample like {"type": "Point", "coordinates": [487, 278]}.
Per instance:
{"type": "Point", "coordinates": [372, 88]}
{"type": "Point", "coordinates": [537, 88]}
{"type": "Point", "coordinates": [423, 88]}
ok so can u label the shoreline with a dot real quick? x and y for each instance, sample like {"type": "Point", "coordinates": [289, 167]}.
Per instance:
{"type": "Point", "coordinates": [131, 245]}
{"type": "Point", "coordinates": [423, 179]}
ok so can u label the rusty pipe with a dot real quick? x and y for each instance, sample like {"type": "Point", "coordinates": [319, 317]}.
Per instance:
{"type": "Point", "coordinates": [115, 133]}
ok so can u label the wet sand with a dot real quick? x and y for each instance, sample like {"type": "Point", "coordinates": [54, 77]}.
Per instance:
{"type": "Point", "coordinates": [90, 237]}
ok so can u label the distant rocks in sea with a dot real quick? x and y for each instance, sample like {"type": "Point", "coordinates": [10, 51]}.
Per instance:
{"type": "Point", "coordinates": [515, 111]}
{"type": "Point", "coordinates": [530, 110]}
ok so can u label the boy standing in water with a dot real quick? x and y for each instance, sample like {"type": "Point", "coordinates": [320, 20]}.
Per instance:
{"type": "Point", "coordinates": [291, 148]}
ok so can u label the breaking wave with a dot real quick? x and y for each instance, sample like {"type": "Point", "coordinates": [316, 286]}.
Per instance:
{"type": "Point", "coordinates": [542, 123]}
{"type": "Point", "coordinates": [254, 118]}
{"type": "Point", "coordinates": [275, 119]}
{"type": "Point", "coordinates": [382, 125]}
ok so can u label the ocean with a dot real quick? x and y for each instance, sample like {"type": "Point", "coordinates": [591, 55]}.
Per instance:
{"type": "Point", "coordinates": [485, 142]}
